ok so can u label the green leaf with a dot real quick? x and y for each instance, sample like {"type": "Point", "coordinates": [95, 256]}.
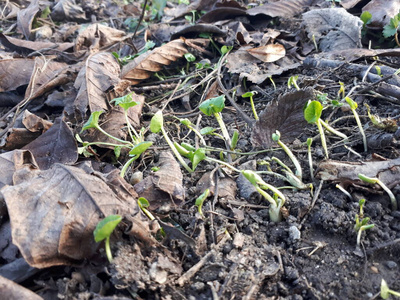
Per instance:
{"type": "Point", "coordinates": [213, 105]}
{"type": "Point", "coordinates": [249, 94]}
{"type": "Point", "coordinates": [157, 122]}
{"type": "Point", "coordinates": [202, 197]}
{"type": "Point", "coordinates": [182, 151]}
{"type": "Point", "coordinates": [366, 17]}
{"type": "Point", "coordinates": [185, 122]}
{"type": "Point", "coordinates": [368, 179]}
{"type": "Point", "coordinates": [143, 202]}
{"type": "Point", "coordinates": [117, 151]}
{"type": "Point", "coordinates": [93, 121]}
{"type": "Point", "coordinates": [384, 289]}
{"type": "Point", "coordinates": [352, 103]}
{"type": "Point", "coordinates": [140, 148]}
{"type": "Point", "coordinates": [309, 142]}
{"type": "Point", "coordinates": [125, 102]}
{"type": "Point", "coordinates": [391, 28]}
{"type": "Point", "coordinates": [105, 227]}
{"type": "Point", "coordinates": [226, 49]}
{"type": "Point", "coordinates": [188, 146]}
{"type": "Point", "coordinates": [276, 136]}
{"type": "Point", "coordinates": [313, 112]}
{"type": "Point", "coordinates": [159, 6]}
{"type": "Point", "coordinates": [198, 156]}
{"type": "Point", "coordinates": [235, 139]}
{"type": "Point", "coordinates": [190, 57]}
{"type": "Point", "coordinates": [252, 177]}
{"type": "Point", "coordinates": [207, 130]}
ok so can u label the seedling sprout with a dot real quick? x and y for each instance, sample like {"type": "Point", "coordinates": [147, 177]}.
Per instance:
{"type": "Point", "coordinates": [310, 161]}
{"type": "Point", "coordinates": [383, 186]}
{"type": "Point", "coordinates": [277, 138]}
{"type": "Point", "coordinates": [353, 107]}
{"type": "Point", "coordinates": [157, 125]}
{"type": "Point", "coordinates": [292, 81]}
{"type": "Point", "coordinates": [386, 292]}
{"type": "Point", "coordinates": [250, 95]}
{"type": "Point", "coordinates": [103, 231]}
{"type": "Point", "coordinates": [361, 222]}
{"type": "Point", "coordinates": [276, 202]}
{"type": "Point", "coordinates": [200, 200]}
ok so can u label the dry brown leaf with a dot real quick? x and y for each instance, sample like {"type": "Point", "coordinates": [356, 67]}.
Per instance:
{"type": "Point", "coordinates": [99, 36]}
{"type": "Point", "coordinates": [143, 66]}
{"type": "Point", "coordinates": [12, 291]}
{"type": "Point", "coordinates": [101, 72]}
{"type": "Point", "coordinates": [268, 53]}
{"type": "Point", "coordinates": [35, 123]}
{"type": "Point", "coordinates": [56, 145]}
{"type": "Point", "coordinates": [282, 8]}
{"type": "Point", "coordinates": [15, 73]}
{"type": "Point", "coordinates": [25, 18]}
{"type": "Point", "coordinates": [17, 138]}
{"type": "Point", "coordinates": [164, 187]}
{"type": "Point", "coordinates": [286, 115]}
{"type": "Point", "coordinates": [382, 11]}
{"type": "Point", "coordinates": [67, 10]}
{"type": "Point", "coordinates": [53, 213]}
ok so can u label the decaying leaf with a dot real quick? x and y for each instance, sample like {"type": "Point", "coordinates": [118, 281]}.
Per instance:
{"type": "Point", "coordinates": [382, 11]}
{"type": "Point", "coordinates": [56, 145]}
{"type": "Point", "coordinates": [11, 290]}
{"type": "Point", "coordinates": [98, 35]}
{"type": "Point", "coordinates": [285, 115]}
{"type": "Point", "coordinates": [143, 66]}
{"type": "Point", "coordinates": [163, 188]}
{"type": "Point", "coordinates": [25, 18]}
{"type": "Point", "coordinates": [67, 10]}
{"type": "Point", "coordinates": [333, 28]}
{"type": "Point", "coordinates": [101, 72]}
{"type": "Point", "coordinates": [282, 8]}
{"type": "Point", "coordinates": [34, 123]}
{"type": "Point", "coordinates": [53, 213]}
{"type": "Point", "coordinates": [15, 73]}
{"type": "Point", "coordinates": [268, 53]}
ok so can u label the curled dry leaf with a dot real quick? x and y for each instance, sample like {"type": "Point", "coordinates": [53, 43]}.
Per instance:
{"type": "Point", "coordinates": [143, 66]}
{"type": "Point", "coordinates": [15, 73]}
{"type": "Point", "coordinates": [285, 115]}
{"type": "Point", "coordinates": [98, 35]}
{"type": "Point", "coordinates": [333, 28]}
{"type": "Point", "coordinates": [268, 53]}
{"type": "Point", "coordinates": [35, 123]}
{"type": "Point", "coordinates": [25, 18]}
{"type": "Point", "coordinates": [165, 185]}
{"type": "Point", "coordinates": [56, 145]}
{"type": "Point", "coordinates": [99, 74]}
{"type": "Point", "coordinates": [53, 213]}
{"type": "Point", "coordinates": [282, 8]}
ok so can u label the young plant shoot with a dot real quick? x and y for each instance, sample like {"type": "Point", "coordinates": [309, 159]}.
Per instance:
{"type": "Point", "coordinates": [292, 81]}
{"type": "Point", "coordinates": [200, 200]}
{"type": "Point", "coordinates": [276, 202]}
{"type": "Point", "coordinates": [310, 161]}
{"type": "Point", "coordinates": [312, 114]}
{"type": "Point", "coordinates": [103, 231]}
{"type": "Point", "coordinates": [193, 154]}
{"type": "Point", "coordinates": [386, 292]}
{"type": "Point", "coordinates": [361, 222]}
{"type": "Point", "coordinates": [372, 180]}
{"type": "Point", "coordinates": [353, 106]}
{"type": "Point", "coordinates": [250, 95]}
{"type": "Point", "coordinates": [276, 137]}
{"type": "Point", "coordinates": [190, 125]}
{"type": "Point", "coordinates": [157, 125]}
{"type": "Point", "coordinates": [213, 107]}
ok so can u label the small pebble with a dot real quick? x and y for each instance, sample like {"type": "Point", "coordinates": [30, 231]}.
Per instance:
{"type": "Point", "coordinates": [391, 264]}
{"type": "Point", "coordinates": [294, 233]}
{"type": "Point", "coordinates": [374, 270]}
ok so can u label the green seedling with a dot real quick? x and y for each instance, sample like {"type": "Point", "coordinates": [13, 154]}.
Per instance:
{"type": "Point", "coordinates": [273, 82]}
{"type": "Point", "coordinates": [103, 231]}
{"type": "Point", "coordinates": [292, 81]}
{"type": "Point", "coordinates": [276, 201]}
{"type": "Point", "coordinates": [385, 124]}
{"type": "Point", "coordinates": [214, 106]}
{"type": "Point", "coordinates": [276, 137]}
{"type": "Point", "coordinates": [386, 292]}
{"type": "Point", "coordinates": [126, 59]}
{"type": "Point", "coordinates": [392, 29]}
{"type": "Point", "coordinates": [200, 200]}
{"type": "Point", "coordinates": [378, 71]}
{"type": "Point", "coordinates": [340, 188]}
{"type": "Point", "coordinates": [250, 95]}
{"type": "Point", "coordinates": [353, 106]}
{"type": "Point", "coordinates": [235, 139]}
{"type": "Point", "coordinates": [341, 91]}
{"type": "Point", "coordinates": [144, 204]}
{"type": "Point", "coordinates": [211, 131]}
{"type": "Point", "coordinates": [310, 160]}
{"type": "Point", "coordinates": [189, 58]}
{"type": "Point", "coordinates": [315, 42]}
{"type": "Point", "coordinates": [194, 155]}
{"type": "Point", "coordinates": [361, 222]}
{"type": "Point", "coordinates": [312, 114]}
{"type": "Point", "coordinates": [190, 125]}
{"type": "Point", "coordinates": [157, 125]}
{"type": "Point", "coordinates": [372, 180]}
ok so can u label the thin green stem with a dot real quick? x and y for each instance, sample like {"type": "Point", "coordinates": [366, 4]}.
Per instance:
{"type": "Point", "coordinates": [224, 131]}
{"type": "Point", "coordinates": [222, 163]}
{"type": "Point", "coordinates": [254, 109]}
{"type": "Point", "coordinates": [127, 164]}
{"type": "Point", "coordinates": [198, 134]}
{"type": "Point", "coordinates": [175, 151]}
{"type": "Point", "coordinates": [310, 163]}
{"type": "Point", "coordinates": [274, 210]}
{"type": "Point", "coordinates": [333, 130]}
{"type": "Point", "coordinates": [106, 144]}
{"type": "Point", "coordinates": [108, 249]}
{"type": "Point", "coordinates": [299, 172]}
{"type": "Point", "coordinates": [113, 137]}
{"type": "Point", "coordinates": [361, 129]}
{"type": "Point", "coordinates": [389, 192]}
{"type": "Point", "coordinates": [131, 128]}
{"type": "Point", "coordinates": [322, 136]}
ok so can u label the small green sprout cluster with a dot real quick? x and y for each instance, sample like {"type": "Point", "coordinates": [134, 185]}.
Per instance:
{"type": "Point", "coordinates": [136, 146]}
{"type": "Point", "coordinates": [104, 229]}
{"type": "Point", "coordinates": [373, 180]}
{"type": "Point", "coordinates": [361, 222]}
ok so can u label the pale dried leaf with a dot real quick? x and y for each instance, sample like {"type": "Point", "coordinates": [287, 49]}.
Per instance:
{"type": "Point", "coordinates": [56, 145]}
{"type": "Point", "coordinates": [35, 123]}
{"type": "Point", "coordinates": [283, 8]}
{"type": "Point", "coordinates": [268, 53]}
{"type": "Point", "coordinates": [101, 72]}
{"type": "Point", "coordinates": [285, 115]}
{"type": "Point", "coordinates": [164, 187]}
{"type": "Point", "coordinates": [150, 62]}
{"type": "Point", "coordinates": [67, 10]}
{"type": "Point", "coordinates": [15, 73]}
{"type": "Point", "coordinates": [13, 291]}
{"type": "Point", "coordinates": [53, 214]}
{"type": "Point", "coordinates": [382, 11]}
{"type": "Point", "coordinates": [25, 18]}
{"type": "Point", "coordinates": [98, 35]}
{"type": "Point", "coordinates": [347, 4]}
{"type": "Point", "coordinates": [333, 28]}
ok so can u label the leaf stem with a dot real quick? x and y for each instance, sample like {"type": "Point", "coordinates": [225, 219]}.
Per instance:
{"type": "Point", "coordinates": [224, 131]}
{"type": "Point", "coordinates": [333, 130]}
{"type": "Point", "coordinates": [323, 140]}
{"type": "Point", "coordinates": [108, 249]}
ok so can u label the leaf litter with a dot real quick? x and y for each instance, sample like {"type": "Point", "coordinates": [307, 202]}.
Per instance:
{"type": "Point", "coordinates": [55, 75]}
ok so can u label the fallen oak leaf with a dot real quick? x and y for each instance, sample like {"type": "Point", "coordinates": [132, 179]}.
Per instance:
{"type": "Point", "coordinates": [268, 53]}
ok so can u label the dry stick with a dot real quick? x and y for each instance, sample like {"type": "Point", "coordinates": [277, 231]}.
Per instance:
{"type": "Point", "coordinates": [245, 117]}
{"type": "Point", "coordinates": [381, 246]}
{"type": "Point", "coordinates": [141, 18]}
{"type": "Point", "coordinates": [193, 270]}
{"type": "Point", "coordinates": [316, 195]}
